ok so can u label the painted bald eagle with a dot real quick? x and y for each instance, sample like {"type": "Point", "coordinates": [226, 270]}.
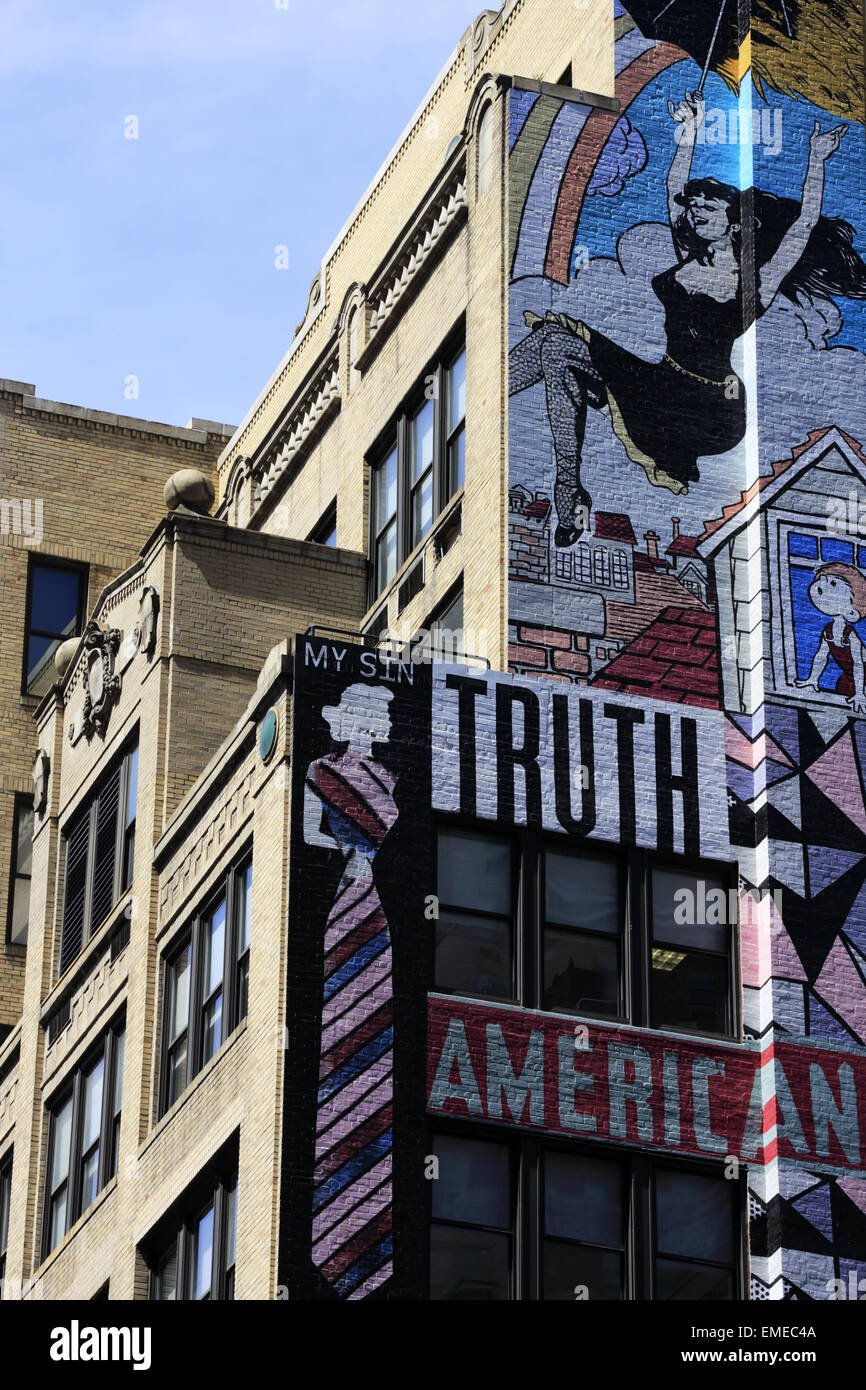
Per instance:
{"type": "Point", "coordinates": [804, 48]}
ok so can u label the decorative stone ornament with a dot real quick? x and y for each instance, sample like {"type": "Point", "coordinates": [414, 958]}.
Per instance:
{"type": "Point", "coordinates": [101, 684]}
{"type": "Point", "coordinates": [142, 638]}
{"type": "Point", "coordinates": [189, 488]}
{"type": "Point", "coordinates": [63, 656]}
{"type": "Point", "coordinates": [41, 769]}
{"type": "Point", "coordinates": [268, 733]}
{"type": "Point", "coordinates": [148, 612]}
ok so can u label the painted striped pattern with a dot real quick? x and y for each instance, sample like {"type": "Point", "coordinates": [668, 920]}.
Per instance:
{"type": "Point", "coordinates": [352, 1195]}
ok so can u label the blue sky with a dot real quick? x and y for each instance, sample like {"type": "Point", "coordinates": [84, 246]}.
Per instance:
{"type": "Point", "coordinates": [258, 127]}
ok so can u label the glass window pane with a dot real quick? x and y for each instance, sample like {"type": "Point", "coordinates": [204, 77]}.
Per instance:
{"type": "Point", "coordinates": [694, 1215]}
{"type": "Point", "coordinates": [572, 1271]}
{"type": "Point", "coordinates": [214, 948]}
{"type": "Point", "coordinates": [90, 1179]}
{"type": "Point", "coordinates": [203, 1255]}
{"type": "Point", "coordinates": [457, 462]}
{"type": "Point", "coordinates": [422, 509]}
{"type": "Point", "coordinates": [474, 1182]}
{"type": "Point", "coordinates": [676, 1279]}
{"type": "Point", "coordinates": [690, 910]}
{"type": "Point", "coordinates": [55, 599]}
{"type": "Point", "coordinates": [20, 911]}
{"type": "Point", "coordinates": [24, 843]}
{"type": "Point", "coordinates": [452, 618]}
{"type": "Point", "coordinates": [474, 871]}
{"type": "Point", "coordinates": [582, 891]}
{"type": "Point", "coordinates": [132, 794]}
{"type": "Point", "coordinates": [60, 1147]}
{"type": "Point", "coordinates": [581, 973]}
{"type": "Point", "coordinates": [386, 556]}
{"type": "Point", "coordinates": [92, 1104]}
{"type": "Point", "coordinates": [57, 1221]}
{"type": "Point", "coordinates": [167, 1276]}
{"type": "Point", "coordinates": [177, 1072]}
{"type": "Point", "coordinates": [178, 995]}
{"type": "Point", "coordinates": [243, 988]}
{"type": "Point", "coordinates": [473, 955]}
{"type": "Point", "coordinates": [119, 1057]}
{"type": "Point", "coordinates": [689, 991]}
{"type": "Point", "coordinates": [583, 1199]}
{"type": "Point", "coordinates": [456, 391]}
{"type": "Point", "coordinates": [386, 489]}
{"type": "Point", "coordinates": [40, 668]}
{"type": "Point", "coordinates": [231, 1208]}
{"type": "Point", "coordinates": [421, 441]}
{"type": "Point", "coordinates": [212, 1031]}
{"type": "Point", "coordinates": [468, 1265]}
{"type": "Point", "coordinates": [245, 907]}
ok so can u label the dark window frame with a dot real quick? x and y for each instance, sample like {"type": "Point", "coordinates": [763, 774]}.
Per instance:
{"type": "Point", "coordinates": [175, 1234]}
{"type": "Point", "coordinates": [640, 1239]}
{"type": "Point", "coordinates": [234, 981]}
{"type": "Point", "coordinates": [325, 527]}
{"type": "Point", "coordinates": [635, 934]}
{"type": "Point", "coordinates": [73, 1087]}
{"type": "Point", "coordinates": [23, 802]}
{"type": "Point", "coordinates": [36, 560]}
{"type": "Point", "coordinates": [124, 834]}
{"type": "Point", "coordinates": [398, 435]}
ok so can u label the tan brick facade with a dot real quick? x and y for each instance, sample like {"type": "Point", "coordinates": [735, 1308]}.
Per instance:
{"type": "Point", "coordinates": [424, 251]}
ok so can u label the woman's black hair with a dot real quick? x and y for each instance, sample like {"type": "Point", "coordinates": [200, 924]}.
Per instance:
{"type": "Point", "coordinates": [688, 242]}
{"type": "Point", "coordinates": [829, 264]}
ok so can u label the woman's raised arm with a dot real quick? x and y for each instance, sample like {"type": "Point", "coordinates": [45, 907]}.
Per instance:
{"type": "Point", "coordinates": [689, 116]}
{"type": "Point", "coordinates": [822, 144]}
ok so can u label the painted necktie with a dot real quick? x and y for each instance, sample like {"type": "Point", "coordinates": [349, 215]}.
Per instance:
{"type": "Point", "coordinates": [352, 1195]}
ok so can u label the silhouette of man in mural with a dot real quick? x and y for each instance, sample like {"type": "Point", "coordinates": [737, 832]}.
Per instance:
{"type": "Point", "coordinates": [669, 413]}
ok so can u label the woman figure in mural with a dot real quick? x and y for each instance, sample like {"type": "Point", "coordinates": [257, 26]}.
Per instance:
{"type": "Point", "coordinates": [839, 591]}
{"type": "Point", "coordinates": [349, 807]}
{"type": "Point", "coordinates": [669, 413]}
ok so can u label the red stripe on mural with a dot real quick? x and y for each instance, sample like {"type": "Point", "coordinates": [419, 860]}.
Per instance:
{"type": "Point", "coordinates": [354, 1249]}
{"type": "Point", "coordinates": [587, 150]}
{"type": "Point", "coordinates": [357, 1140]}
{"type": "Point", "coordinates": [365, 931]}
{"type": "Point", "coordinates": [346, 1046]}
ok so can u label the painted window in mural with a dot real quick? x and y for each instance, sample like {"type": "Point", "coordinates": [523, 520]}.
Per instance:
{"type": "Point", "coordinates": [585, 1234]}
{"type": "Point", "coordinates": [828, 603]}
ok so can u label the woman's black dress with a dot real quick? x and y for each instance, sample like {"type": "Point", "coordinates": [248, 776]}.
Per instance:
{"type": "Point", "coordinates": [670, 413]}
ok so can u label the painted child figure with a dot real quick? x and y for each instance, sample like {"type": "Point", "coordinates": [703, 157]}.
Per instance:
{"type": "Point", "coordinates": [839, 591]}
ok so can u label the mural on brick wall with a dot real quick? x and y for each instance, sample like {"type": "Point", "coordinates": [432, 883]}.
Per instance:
{"type": "Point", "coordinates": [687, 492]}
{"type": "Point", "coordinates": [358, 723]}
{"type": "Point", "coordinates": [633, 388]}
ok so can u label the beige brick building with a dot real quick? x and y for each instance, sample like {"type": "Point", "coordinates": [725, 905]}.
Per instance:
{"type": "Point", "coordinates": [156, 720]}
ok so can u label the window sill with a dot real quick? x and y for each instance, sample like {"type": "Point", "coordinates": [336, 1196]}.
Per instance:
{"type": "Point", "coordinates": [691, 1035]}
{"type": "Point", "coordinates": [198, 1081]}
{"type": "Point", "coordinates": [86, 960]}
{"type": "Point", "coordinates": [98, 1202]}
{"type": "Point", "coordinates": [17, 949]}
